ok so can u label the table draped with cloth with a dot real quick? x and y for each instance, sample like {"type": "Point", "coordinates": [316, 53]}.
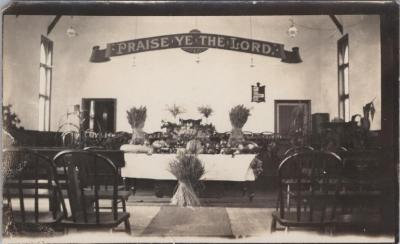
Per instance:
{"type": "Point", "coordinates": [218, 167]}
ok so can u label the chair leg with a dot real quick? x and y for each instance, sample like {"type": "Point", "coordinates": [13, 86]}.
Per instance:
{"type": "Point", "coordinates": [123, 205]}
{"type": "Point", "coordinates": [288, 198]}
{"type": "Point", "coordinates": [273, 225]}
{"type": "Point", "coordinates": [128, 226]}
{"type": "Point", "coordinates": [332, 230]}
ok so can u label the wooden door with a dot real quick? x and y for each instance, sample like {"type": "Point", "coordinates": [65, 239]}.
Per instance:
{"type": "Point", "coordinates": [292, 117]}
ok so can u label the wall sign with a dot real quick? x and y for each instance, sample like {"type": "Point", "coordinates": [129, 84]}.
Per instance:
{"type": "Point", "coordinates": [195, 42]}
{"type": "Point", "coordinates": [258, 93]}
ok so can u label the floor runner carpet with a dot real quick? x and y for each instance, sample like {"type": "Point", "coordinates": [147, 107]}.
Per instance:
{"type": "Point", "coordinates": [199, 221]}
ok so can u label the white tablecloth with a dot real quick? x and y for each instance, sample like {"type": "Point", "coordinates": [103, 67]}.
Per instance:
{"type": "Point", "coordinates": [217, 166]}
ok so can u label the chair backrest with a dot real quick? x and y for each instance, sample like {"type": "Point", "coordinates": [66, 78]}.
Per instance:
{"type": "Point", "coordinates": [116, 156]}
{"type": "Point", "coordinates": [363, 170]}
{"type": "Point", "coordinates": [30, 183]}
{"type": "Point", "coordinates": [313, 180]}
{"type": "Point", "coordinates": [297, 149]}
{"type": "Point", "coordinates": [84, 173]}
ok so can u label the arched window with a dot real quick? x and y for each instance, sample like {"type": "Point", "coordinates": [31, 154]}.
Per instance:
{"type": "Point", "coordinates": [343, 78]}
{"type": "Point", "coordinates": [45, 77]}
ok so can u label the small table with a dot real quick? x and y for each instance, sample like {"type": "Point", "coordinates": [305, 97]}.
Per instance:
{"type": "Point", "coordinates": [218, 167]}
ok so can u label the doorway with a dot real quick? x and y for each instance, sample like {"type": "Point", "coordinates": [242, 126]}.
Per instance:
{"type": "Point", "coordinates": [292, 117]}
{"type": "Point", "coordinates": [99, 114]}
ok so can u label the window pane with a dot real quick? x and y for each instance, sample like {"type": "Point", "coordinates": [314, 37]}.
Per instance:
{"type": "Point", "coordinates": [41, 113]}
{"type": "Point", "coordinates": [48, 59]}
{"type": "Point", "coordinates": [42, 53]}
{"type": "Point", "coordinates": [47, 115]}
{"type": "Point", "coordinates": [346, 80]}
{"type": "Point", "coordinates": [347, 110]}
{"type": "Point", "coordinates": [42, 85]}
{"type": "Point", "coordinates": [346, 54]}
{"type": "Point", "coordinates": [48, 82]}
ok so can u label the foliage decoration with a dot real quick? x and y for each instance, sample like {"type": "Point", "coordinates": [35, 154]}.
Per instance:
{"type": "Point", "coordinates": [137, 116]}
{"type": "Point", "coordinates": [206, 111]}
{"type": "Point", "coordinates": [175, 110]}
{"type": "Point", "coordinates": [188, 170]}
{"type": "Point", "coordinates": [239, 115]}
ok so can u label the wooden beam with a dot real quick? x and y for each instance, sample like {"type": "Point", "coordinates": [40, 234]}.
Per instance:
{"type": "Point", "coordinates": [53, 24]}
{"type": "Point", "coordinates": [337, 23]}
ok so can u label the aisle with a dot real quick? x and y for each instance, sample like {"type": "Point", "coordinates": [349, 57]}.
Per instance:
{"type": "Point", "coordinates": [171, 221]}
{"type": "Point", "coordinates": [244, 224]}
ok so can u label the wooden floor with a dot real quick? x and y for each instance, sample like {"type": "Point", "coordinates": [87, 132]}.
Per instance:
{"type": "Point", "coordinates": [153, 219]}
{"type": "Point", "coordinates": [244, 224]}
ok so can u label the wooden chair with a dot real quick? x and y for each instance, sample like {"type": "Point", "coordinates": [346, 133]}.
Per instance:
{"type": "Point", "coordinates": [361, 193]}
{"type": "Point", "coordinates": [30, 183]}
{"type": "Point", "coordinates": [86, 172]}
{"type": "Point", "coordinates": [314, 178]}
{"type": "Point", "coordinates": [106, 190]}
{"type": "Point", "coordinates": [287, 153]}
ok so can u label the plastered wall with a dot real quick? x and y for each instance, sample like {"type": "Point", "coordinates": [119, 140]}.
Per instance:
{"type": "Point", "coordinates": [222, 79]}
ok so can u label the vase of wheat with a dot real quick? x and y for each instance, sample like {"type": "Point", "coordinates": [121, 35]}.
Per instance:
{"type": "Point", "coordinates": [238, 117]}
{"type": "Point", "coordinates": [188, 170]}
{"type": "Point", "coordinates": [136, 118]}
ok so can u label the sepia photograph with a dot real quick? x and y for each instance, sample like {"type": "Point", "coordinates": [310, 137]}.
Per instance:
{"type": "Point", "coordinates": [198, 121]}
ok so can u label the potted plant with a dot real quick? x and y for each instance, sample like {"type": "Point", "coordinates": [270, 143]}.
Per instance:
{"type": "Point", "coordinates": [136, 118]}
{"type": "Point", "coordinates": [175, 111]}
{"type": "Point", "coordinates": [238, 116]}
{"type": "Point", "coordinates": [206, 111]}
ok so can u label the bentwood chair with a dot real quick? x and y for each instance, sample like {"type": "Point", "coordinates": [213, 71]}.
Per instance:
{"type": "Point", "coordinates": [85, 173]}
{"type": "Point", "coordinates": [315, 179]}
{"type": "Point", "coordinates": [106, 191]}
{"type": "Point", "coordinates": [31, 195]}
{"type": "Point", "coordinates": [287, 153]}
{"type": "Point", "coordinates": [297, 149]}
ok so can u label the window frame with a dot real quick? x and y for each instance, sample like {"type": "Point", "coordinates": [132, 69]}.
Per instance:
{"type": "Point", "coordinates": [342, 48]}
{"type": "Point", "coordinates": [45, 63]}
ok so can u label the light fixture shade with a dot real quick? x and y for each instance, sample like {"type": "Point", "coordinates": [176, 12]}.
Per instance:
{"type": "Point", "coordinates": [98, 56]}
{"type": "Point", "coordinates": [71, 32]}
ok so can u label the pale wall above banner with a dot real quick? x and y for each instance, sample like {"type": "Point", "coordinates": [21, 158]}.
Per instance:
{"type": "Point", "coordinates": [195, 42]}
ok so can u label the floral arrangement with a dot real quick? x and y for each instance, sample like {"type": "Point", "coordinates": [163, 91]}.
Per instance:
{"type": "Point", "coordinates": [206, 111]}
{"type": "Point", "coordinates": [136, 118]}
{"type": "Point", "coordinates": [188, 170]}
{"type": "Point", "coordinates": [175, 110]}
{"type": "Point", "coordinates": [238, 116]}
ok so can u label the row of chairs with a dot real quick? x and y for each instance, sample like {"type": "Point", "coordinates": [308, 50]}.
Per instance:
{"type": "Point", "coordinates": [319, 189]}
{"type": "Point", "coordinates": [36, 188]}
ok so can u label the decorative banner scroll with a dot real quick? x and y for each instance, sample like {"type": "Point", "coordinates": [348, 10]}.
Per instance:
{"type": "Point", "coordinates": [195, 42]}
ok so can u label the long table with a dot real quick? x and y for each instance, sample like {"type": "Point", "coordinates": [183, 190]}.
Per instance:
{"type": "Point", "coordinates": [218, 167]}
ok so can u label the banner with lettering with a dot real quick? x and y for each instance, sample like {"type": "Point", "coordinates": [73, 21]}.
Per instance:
{"type": "Point", "coordinates": [195, 42]}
